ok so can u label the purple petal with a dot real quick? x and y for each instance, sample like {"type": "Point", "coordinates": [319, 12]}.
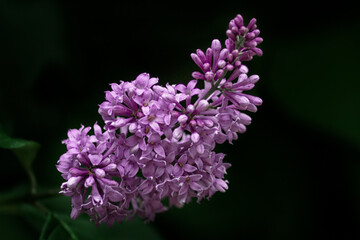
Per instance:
{"type": "Point", "coordinates": [149, 170]}
{"type": "Point", "coordinates": [163, 192]}
{"type": "Point", "coordinates": [121, 170]}
{"type": "Point", "coordinates": [184, 188]}
{"type": "Point", "coordinates": [142, 144]}
{"type": "Point", "coordinates": [100, 173]}
{"type": "Point", "coordinates": [197, 61]}
{"type": "Point", "coordinates": [170, 157]}
{"type": "Point", "coordinates": [195, 137]}
{"type": "Point", "coordinates": [159, 163]}
{"type": "Point", "coordinates": [120, 110]}
{"type": "Point", "coordinates": [96, 198]}
{"type": "Point", "coordinates": [146, 110]}
{"type": "Point", "coordinates": [110, 167]}
{"type": "Point", "coordinates": [167, 119]}
{"type": "Point", "coordinates": [114, 196]}
{"type": "Point", "coordinates": [154, 138]}
{"type": "Point", "coordinates": [180, 87]}
{"type": "Point", "coordinates": [200, 148]}
{"type": "Point", "coordinates": [95, 159]}
{"type": "Point", "coordinates": [177, 170]}
{"type": "Point", "coordinates": [191, 84]}
{"type": "Point", "coordinates": [153, 81]}
{"type": "Point", "coordinates": [78, 172]}
{"type": "Point", "coordinates": [221, 185]}
{"type": "Point", "coordinates": [159, 150]}
{"type": "Point", "coordinates": [195, 91]}
{"type": "Point", "coordinates": [195, 186]}
{"type": "Point", "coordinates": [159, 172]}
{"type": "Point", "coordinates": [75, 213]}
{"type": "Point", "coordinates": [142, 80]}
{"type": "Point", "coordinates": [155, 126]}
{"type": "Point", "coordinates": [73, 181]}
{"type": "Point", "coordinates": [195, 177]}
{"type": "Point", "coordinates": [132, 140]}
{"type": "Point", "coordinates": [182, 160]}
{"type": "Point", "coordinates": [169, 168]}
{"type": "Point", "coordinates": [177, 133]}
{"type": "Point", "coordinates": [109, 182]}
{"type": "Point", "coordinates": [199, 163]}
{"type": "Point", "coordinates": [120, 122]}
{"type": "Point", "coordinates": [203, 105]}
{"type": "Point", "coordinates": [89, 181]}
{"type": "Point", "coordinates": [132, 171]}
{"type": "Point", "coordinates": [147, 189]}
{"type": "Point", "coordinates": [189, 168]}
{"type": "Point", "coordinates": [182, 119]}
{"type": "Point", "coordinates": [97, 131]}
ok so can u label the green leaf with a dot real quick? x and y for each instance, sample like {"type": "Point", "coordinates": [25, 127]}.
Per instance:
{"type": "Point", "coordinates": [66, 227]}
{"type": "Point", "coordinates": [27, 153]}
{"type": "Point", "coordinates": [58, 234]}
{"type": "Point", "coordinates": [46, 227]}
{"type": "Point", "coordinates": [24, 150]}
{"type": "Point", "coordinates": [11, 143]}
{"type": "Point", "coordinates": [34, 216]}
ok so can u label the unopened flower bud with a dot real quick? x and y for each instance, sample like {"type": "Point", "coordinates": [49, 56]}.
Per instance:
{"type": "Point", "coordinates": [89, 181]}
{"type": "Point", "coordinates": [209, 123]}
{"type": "Point", "coordinates": [203, 105]}
{"type": "Point", "coordinates": [73, 181]}
{"type": "Point", "coordinates": [177, 133]}
{"type": "Point", "coordinates": [195, 137]}
{"type": "Point", "coordinates": [209, 76]}
{"type": "Point", "coordinates": [235, 30]}
{"type": "Point", "coordinates": [221, 64]}
{"type": "Point", "coordinates": [190, 108]}
{"type": "Point", "coordinates": [182, 119]}
{"type": "Point", "coordinates": [216, 45]}
{"type": "Point", "coordinates": [132, 127]}
{"type": "Point", "coordinates": [243, 30]}
{"type": "Point", "coordinates": [198, 75]}
{"type": "Point", "coordinates": [111, 167]}
{"type": "Point", "coordinates": [253, 78]}
{"type": "Point", "coordinates": [100, 173]}
{"type": "Point", "coordinates": [244, 69]}
{"type": "Point", "coordinates": [200, 123]}
{"type": "Point", "coordinates": [231, 35]}
{"type": "Point", "coordinates": [239, 20]}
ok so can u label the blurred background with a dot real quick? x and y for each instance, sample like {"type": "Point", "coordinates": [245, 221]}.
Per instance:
{"type": "Point", "coordinates": [295, 173]}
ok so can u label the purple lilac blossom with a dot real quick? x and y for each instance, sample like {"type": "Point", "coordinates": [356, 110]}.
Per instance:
{"type": "Point", "coordinates": [159, 142]}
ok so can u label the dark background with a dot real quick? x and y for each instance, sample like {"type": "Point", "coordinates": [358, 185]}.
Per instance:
{"type": "Point", "coordinates": [295, 173]}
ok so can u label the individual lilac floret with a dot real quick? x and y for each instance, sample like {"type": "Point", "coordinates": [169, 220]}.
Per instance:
{"type": "Point", "coordinates": [158, 143]}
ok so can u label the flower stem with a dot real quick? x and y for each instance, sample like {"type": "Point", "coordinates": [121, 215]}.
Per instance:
{"type": "Point", "coordinates": [214, 87]}
{"type": "Point", "coordinates": [32, 178]}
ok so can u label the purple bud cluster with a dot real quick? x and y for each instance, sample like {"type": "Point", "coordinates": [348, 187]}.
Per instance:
{"type": "Point", "coordinates": [241, 46]}
{"type": "Point", "coordinates": [157, 144]}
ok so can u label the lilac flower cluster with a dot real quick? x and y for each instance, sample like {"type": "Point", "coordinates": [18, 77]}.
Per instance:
{"type": "Point", "coordinates": [158, 142]}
